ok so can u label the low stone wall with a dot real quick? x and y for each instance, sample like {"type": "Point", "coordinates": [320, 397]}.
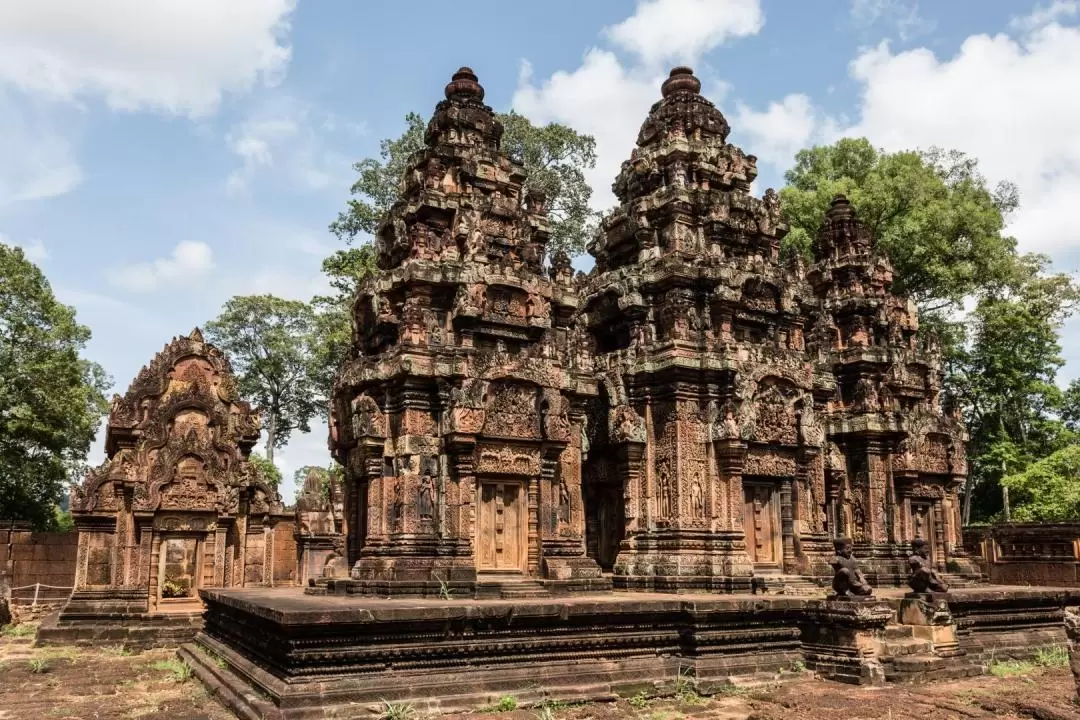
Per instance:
{"type": "Point", "coordinates": [1038, 554]}
{"type": "Point", "coordinates": [28, 558]}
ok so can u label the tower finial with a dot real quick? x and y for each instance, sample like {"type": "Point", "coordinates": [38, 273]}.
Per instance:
{"type": "Point", "coordinates": [464, 86]}
{"type": "Point", "coordinates": [681, 79]}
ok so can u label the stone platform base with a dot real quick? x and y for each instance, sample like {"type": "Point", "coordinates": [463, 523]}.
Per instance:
{"type": "Point", "coordinates": [136, 631]}
{"type": "Point", "coordinates": [482, 588]}
{"type": "Point", "coordinates": [285, 655]}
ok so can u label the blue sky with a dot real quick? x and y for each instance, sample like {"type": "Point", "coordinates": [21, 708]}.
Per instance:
{"type": "Point", "coordinates": [156, 162]}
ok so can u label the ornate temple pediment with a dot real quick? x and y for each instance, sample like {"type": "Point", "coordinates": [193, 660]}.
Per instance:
{"type": "Point", "coordinates": [178, 439]}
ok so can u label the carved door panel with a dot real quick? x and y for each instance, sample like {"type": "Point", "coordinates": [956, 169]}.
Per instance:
{"type": "Point", "coordinates": [761, 520]}
{"type": "Point", "coordinates": [610, 527]}
{"type": "Point", "coordinates": [922, 525]}
{"type": "Point", "coordinates": [501, 527]}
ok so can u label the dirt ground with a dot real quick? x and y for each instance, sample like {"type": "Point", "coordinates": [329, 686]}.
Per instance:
{"type": "Point", "coordinates": [69, 683]}
{"type": "Point", "coordinates": [66, 683]}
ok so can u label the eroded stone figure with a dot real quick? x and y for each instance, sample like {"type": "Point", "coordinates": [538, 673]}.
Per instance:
{"type": "Point", "coordinates": [923, 578]}
{"type": "Point", "coordinates": [848, 579]}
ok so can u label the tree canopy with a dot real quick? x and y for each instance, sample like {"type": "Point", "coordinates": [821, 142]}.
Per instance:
{"type": "Point", "coordinates": [267, 470]}
{"type": "Point", "coordinates": [270, 343]}
{"type": "Point", "coordinates": [932, 212]}
{"type": "Point", "coordinates": [943, 228]}
{"type": "Point", "coordinates": [51, 397]}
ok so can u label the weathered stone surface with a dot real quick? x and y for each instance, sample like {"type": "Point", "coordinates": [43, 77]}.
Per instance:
{"type": "Point", "coordinates": [694, 412]}
{"type": "Point", "coordinates": [175, 507]}
{"type": "Point", "coordinates": [320, 529]}
{"type": "Point", "coordinates": [460, 417]}
{"type": "Point", "coordinates": [1027, 553]}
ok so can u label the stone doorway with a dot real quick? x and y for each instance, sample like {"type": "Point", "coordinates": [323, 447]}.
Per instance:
{"type": "Point", "coordinates": [761, 522]}
{"type": "Point", "coordinates": [501, 527]}
{"type": "Point", "coordinates": [922, 525]}
{"type": "Point", "coordinates": [178, 570]}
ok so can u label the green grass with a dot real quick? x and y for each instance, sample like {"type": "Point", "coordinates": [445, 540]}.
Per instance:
{"type": "Point", "coordinates": [397, 711]}
{"type": "Point", "coordinates": [1054, 656]}
{"type": "Point", "coordinates": [18, 631]}
{"type": "Point", "coordinates": [685, 692]}
{"type": "Point", "coordinates": [1011, 668]}
{"type": "Point", "coordinates": [507, 703]}
{"type": "Point", "coordinates": [178, 670]}
{"type": "Point", "coordinates": [639, 700]}
{"type": "Point", "coordinates": [38, 665]}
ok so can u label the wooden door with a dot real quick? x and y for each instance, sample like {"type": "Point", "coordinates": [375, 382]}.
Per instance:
{"type": "Point", "coordinates": [922, 525]}
{"type": "Point", "coordinates": [761, 521]}
{"type": "Point", "coordinates": [501, 527]}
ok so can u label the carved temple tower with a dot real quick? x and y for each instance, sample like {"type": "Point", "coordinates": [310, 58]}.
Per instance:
{"type": "Point", "coordinates": [895, 459]}
{"type": "Point", "coordinates": [713, 429]}
{"type": "Point", "coordinates": [176, 507]}
{"type": "Point", "coordinates": [459, 417]}
{"type": "Point", "coordinates": [753, 409]}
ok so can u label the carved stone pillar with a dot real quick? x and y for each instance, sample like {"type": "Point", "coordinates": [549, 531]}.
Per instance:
{"type": "Point", "coordinates": [219, 555]}
{"type": "Point", "coordinates": [787, 525]}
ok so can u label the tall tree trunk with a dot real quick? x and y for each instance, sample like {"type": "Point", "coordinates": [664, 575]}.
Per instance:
{"type": "Point", "coordinates": [1007, 511]}
{"type": "Point", "coordinates": [967, 498]}
{"type": "Point", "coordinates": [271, 436]}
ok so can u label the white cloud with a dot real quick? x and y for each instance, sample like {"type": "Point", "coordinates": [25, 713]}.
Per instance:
{"type": "Point", "coordinates": [1045, 14]}
{"type": "Point", "coordinates": [1000, 99]}
{"type": "Point", "coordinates": [38, 161]}
{"type": "Point", "coordinates": [902, 15]}
{"type": "Point", "coordinates": [682, 30]}
{"type": "Point", "coordinates": [179, 56]}
{"type": "Point", "coordinates": [294, 139]}
{"type": "Point", "coordinates": [782, 129]}
{"type": "Point", "coordinates": [190, 260]}
{"type": "Point", "coordinates": [303, 449]}
{"type": "Point", "coordinates": [34, 250]}
{"type": "Point", "coordinates": [609, 100]}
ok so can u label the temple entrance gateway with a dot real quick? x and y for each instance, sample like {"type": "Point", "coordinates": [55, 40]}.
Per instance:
{"type": "Point", "coordinates": [761, 521]}
{"type": "Point", "coordinates": [501, 527]}
{"type": "Point", "coordinates": [177, 574]}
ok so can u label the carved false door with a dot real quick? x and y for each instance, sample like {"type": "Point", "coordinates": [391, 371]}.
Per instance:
{"type": "Point", "coordinates": [501, 527]}
{"type": "Point", "coordinates": [761, 521]}
{"type": "Point", "coordinates": [922, 525]}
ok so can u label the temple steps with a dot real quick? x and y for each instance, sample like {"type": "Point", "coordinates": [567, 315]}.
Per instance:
{"type": "Point", "coordinates": [512, 589]}
{"type": "Point", "coordinates": [797, 585]}
{"type": "Point", "coordinates": [957, 580]}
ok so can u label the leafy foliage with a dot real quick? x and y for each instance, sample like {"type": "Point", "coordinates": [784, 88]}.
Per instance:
{"type": "Point", "coordinates": [270, 342]}
{"type": "Point", "coordinates": [932, 212]}
{"type": "Point", "coordinates": [943, 228]}
{"type": "Point", "coordinates": [324, 475]}
{"type": "Point", "coordinates": [51, 398]}
{"type": "Point", "coordinates": [1047, 490]}
{"type": "Point", "coordinates": [267, 470]}
{"type": "Point", "coordinates": [1004, 374]}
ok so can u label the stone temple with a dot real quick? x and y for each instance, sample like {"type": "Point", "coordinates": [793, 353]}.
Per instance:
{"type": "Point", "coordinates": [564, 486]}
{"type": "Point", "coordinates": [694, 412]}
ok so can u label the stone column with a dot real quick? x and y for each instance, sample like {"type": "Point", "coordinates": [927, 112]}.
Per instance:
{"type": "Point", "coordinates": [787, 526]}
{"type": "Point", "coordinates": [219, 554]}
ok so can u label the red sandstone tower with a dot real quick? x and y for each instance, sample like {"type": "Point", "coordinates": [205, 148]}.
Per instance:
{"type": "Point", "coordinates": [459, 418]}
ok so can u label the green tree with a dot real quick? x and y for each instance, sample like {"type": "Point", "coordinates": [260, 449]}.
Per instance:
{"type": "Point", "coordinates": [267, 470]}
{"type": "Point", "coordinates": [51, 398]}
{"type": "Point", "coordinates": [270, 342]}
{"type": "Point", "coordinates": [932, 212]}
{"type": "Point", "coordinates": [1047, 490]}
{"type": "Point", "coordinates": [1004, 373]}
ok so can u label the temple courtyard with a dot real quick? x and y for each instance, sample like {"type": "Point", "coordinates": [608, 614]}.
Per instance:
{"type": "Point", "coordinates": [107, 683]}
